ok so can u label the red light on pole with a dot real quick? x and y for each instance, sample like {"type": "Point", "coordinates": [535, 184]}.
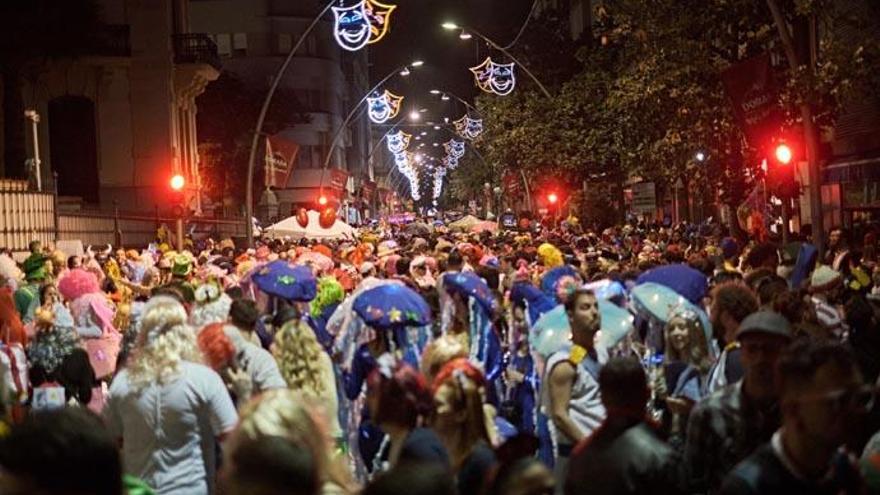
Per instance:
{"type": "Point", "coordinates": [177, 182]}
{"type": "Point", "coordinates": [552, 198]}
{"type": "Point", "coordinates": [783, 154]}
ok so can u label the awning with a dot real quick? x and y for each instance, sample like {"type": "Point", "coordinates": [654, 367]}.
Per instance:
{"type": "Point", "coordinates": [860, 170]}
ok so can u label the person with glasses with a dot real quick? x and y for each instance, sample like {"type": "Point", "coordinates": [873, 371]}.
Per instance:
{"type": "Point", "coordinates": [822, 395]}
{"type": "Point", "coordinates": [726, 427]}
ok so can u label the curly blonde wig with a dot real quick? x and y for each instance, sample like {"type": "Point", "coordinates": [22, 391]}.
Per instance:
{"type": "Point", "coordinates": [298, 354]}
{"type": "Point", "coordinates": [165, 340]}
{"type": "Point", "coordinates": [288, 414]}
{"type": "Point", "coordinates": [439, 352]}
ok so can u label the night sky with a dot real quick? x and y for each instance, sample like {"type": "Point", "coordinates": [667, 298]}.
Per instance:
{"type": "Point", "coordinates": [416, 34]}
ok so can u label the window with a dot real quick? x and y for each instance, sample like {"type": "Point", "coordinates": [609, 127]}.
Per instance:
{"type": "Point", "coordinates": [224, 44]}
{"type": "Point", "coordinates": [239, 43]}
{"type": "Point", "coordinates": [312, 46]}
{"type": "Point", "coordinates": [285, 43]}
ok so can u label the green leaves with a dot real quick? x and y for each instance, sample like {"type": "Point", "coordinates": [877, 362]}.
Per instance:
{"type": "Point", "coordinates": [648, 96]}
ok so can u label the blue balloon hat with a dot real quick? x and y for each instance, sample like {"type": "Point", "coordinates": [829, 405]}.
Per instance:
{"type": "Point", "coordinates": [391, 306]}
{"type": "Point", "coordinates": [280, 279]}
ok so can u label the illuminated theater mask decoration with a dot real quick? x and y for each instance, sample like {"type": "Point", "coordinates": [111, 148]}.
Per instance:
{"type": "Point", "coordinates": [493, 77]}
{"type": "Point", "coordinates": [398, 142]}
{"type": "Point", "coordinates": [468, 128]}
{"type": "Point", "coordinates": [379, 16]}
{"type": "Point", "coordinates": [383, 107]}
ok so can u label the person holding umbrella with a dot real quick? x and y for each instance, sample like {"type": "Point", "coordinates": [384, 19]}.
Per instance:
{"type": "Point", "coordinates": [379, 323]}
{"type": "Point", "coordinates": [467, 305]}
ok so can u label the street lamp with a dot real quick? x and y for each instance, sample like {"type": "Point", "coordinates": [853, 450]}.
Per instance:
{"type": "Point", "coordinates": [700, 156]}
{"type": "Point", "coordinates": [447, 95]}
{"type": "Point", "coordinates": [415, 116]}
{"type": "Point", "coordinates": [451, 26]}
{"type": "Point", "coordinates": [399, 70]}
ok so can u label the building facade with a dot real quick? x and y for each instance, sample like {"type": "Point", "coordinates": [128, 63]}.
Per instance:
{"type": "Point", "coordinates": [116, 123]}
{"type": "Point", "coordinates": [253, 37]}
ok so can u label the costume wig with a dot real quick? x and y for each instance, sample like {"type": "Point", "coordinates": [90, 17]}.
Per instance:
{"type": "Point", "coordinates": [11, 329]}
{"type": "Point", "coordinates": [216, 346]}
{"type": "Point", "coordinates": [330, 291]}
{"type": "Point", "coordinates": [9, 272]}
{"type": "Point", "coordinates": [211, 305]}
{"type": "Point", "coordinates": [297, 351]}
{"type": "Point", "coordinates": [402, 393]}
{"type": "Point", "coordinates": [549, 255]}
{"type": "Point", "coordinates": [77, 283]}
{"type": "Point", "coordinates": [165, 340]}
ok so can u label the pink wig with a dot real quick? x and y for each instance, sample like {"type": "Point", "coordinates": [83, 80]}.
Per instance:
{"type": "Point", "coordinates": [77, 283]}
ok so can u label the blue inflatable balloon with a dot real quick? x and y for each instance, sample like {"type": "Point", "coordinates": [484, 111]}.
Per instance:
{"type": "Point", "coordinates": [606, 289]}
{"type": "Point", "coordinates": [617, 323]}
{"type": "Point", "coordinates": [552, 331]}
{"type": "Point", "coordinates": [652, 300]}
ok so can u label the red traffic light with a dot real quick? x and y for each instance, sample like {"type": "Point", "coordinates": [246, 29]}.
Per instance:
{"type": "Point", "coordinates": [177, 182]}
{"type": "Point", "coordinates": [322, 200]}
{"type": "Point", "coordinates": [552, 198]}
{"type": "Point", "coordinates": [783, 154]}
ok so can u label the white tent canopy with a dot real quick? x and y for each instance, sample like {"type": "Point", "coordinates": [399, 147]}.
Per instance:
{"type": "Point", "coordinates": [290, 227]}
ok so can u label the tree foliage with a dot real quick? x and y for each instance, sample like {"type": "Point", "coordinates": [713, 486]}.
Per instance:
{"type": "Point", "coordinates": [648, 95]}
{"type": "Point", "coordinates": [228, 111]}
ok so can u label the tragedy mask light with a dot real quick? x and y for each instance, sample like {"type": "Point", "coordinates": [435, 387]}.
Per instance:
{"type": "Point", "coordinates": [379, 16]}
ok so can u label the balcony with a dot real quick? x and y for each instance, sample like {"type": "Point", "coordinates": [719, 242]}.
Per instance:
{"type": "Point", "coordinates": [196, 48]}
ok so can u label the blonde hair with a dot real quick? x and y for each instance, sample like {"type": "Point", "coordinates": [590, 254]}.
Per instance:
{"type": "Point", "coordinates": [165, 340]}
{"type": "Point", "coordinates": [298, 353]}
{"type": "Point", "coordinates": [439, 352]}
{"type": "Point", "coordinates": [697, 352]}
{"type": "Point", "coordinates": [288, 414]}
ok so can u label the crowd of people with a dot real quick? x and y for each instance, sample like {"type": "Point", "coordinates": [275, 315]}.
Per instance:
{"type": "Point", "coordinates": [638, 359]}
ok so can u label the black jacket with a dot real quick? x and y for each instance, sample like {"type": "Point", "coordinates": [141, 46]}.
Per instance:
{"type": "Point", "coordinates": [623, 456]}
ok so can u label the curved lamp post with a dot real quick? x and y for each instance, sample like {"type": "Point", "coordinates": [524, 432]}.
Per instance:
{"type": "Point", "coordinates": [403, 70]}
{"type": "Point", "coordinates": [249, 192]}
{"type": "Point", "coordinates": [451, 26]}
{"type": "Point", "coordinates": [449, 94]}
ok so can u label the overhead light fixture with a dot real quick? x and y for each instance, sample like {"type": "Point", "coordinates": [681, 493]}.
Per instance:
{"type": "Point", "coordinates": [465, 35]}
{"type": "Point", "coordinates": [449, 26]}
{"type": "Point", "coordinates": [405, 72]}
{"type": "Point", "coordinates": [417, 63]}
{"type": "Point", "coordinates": [445, 97]}
{"type": "Point", "coordinates": [435, 91]}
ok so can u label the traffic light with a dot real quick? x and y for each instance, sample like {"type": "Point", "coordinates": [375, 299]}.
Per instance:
{"type": "Point", "coordinates": [177, 183]}
{"type": "Point", "coordinates": [783, 154]}
{"type": "Point", "coordinates": [552, 198]}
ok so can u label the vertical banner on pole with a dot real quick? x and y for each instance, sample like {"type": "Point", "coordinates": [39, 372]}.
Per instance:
{"type": "Point", "coordinates": [752, 90]}
{"type": "Point", "coordinates": [280, 155]}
